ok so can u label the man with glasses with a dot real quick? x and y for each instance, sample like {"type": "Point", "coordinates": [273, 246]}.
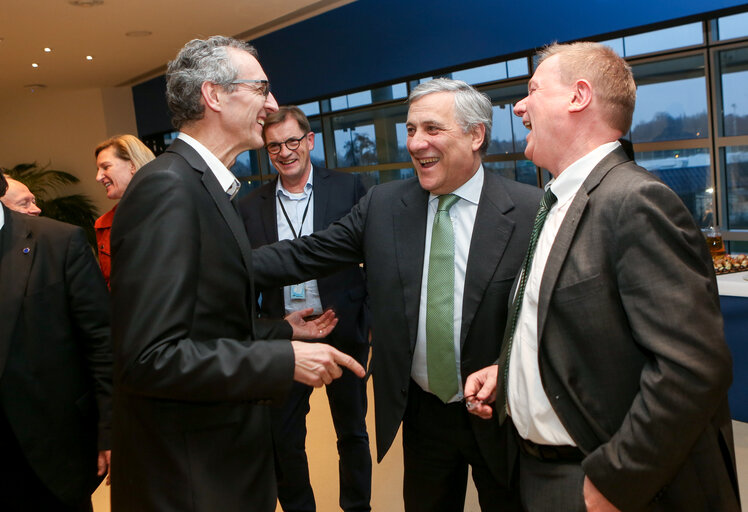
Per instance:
{"type": "Point", "coordinates": [306, 198]}
{"type": "Point", "coordinates": [191, 427]}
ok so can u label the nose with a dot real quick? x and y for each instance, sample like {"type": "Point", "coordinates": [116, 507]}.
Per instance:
{"type": "Point", "coordinates": [270, 104]}
{"type": "Point", "coordinates": [520, 107]}
{"type": "Point", "coordinates": [34, 210]}
{"type": "Point", "coordinates": [99, 175]}
{"type": "Point", "coordinates": [416, 142]}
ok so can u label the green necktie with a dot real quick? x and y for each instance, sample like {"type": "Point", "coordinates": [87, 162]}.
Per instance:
{"type": "Point", "coordinates": [506, 347]}
{"type": "Point", "coordinates": [440, 298]}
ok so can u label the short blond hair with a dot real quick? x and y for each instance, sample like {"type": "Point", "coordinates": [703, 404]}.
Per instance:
{"type": "Point", "coordinates": [611, 78]}
{"type": "Point", "coordinates": [129, 148]}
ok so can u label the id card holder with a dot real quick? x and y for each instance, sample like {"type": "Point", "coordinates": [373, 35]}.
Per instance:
{"type": "Point", "coordinates": [298, 291]}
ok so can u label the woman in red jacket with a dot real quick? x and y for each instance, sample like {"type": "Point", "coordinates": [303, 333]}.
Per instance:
{"type": "Point", "coordinates": [117, 159]}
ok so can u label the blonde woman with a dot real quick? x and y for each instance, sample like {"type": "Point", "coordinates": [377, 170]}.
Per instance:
{"type": "Point", "coordinates": [117, 159]}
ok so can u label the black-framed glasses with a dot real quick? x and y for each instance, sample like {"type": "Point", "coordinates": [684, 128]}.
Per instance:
{"type": "Point", "coordinates": [264, 88]}
{"type": "Point", "coordinates": [292, 144]}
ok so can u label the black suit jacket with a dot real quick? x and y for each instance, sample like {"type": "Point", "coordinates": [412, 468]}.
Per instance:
{"type": "Point", "coordinates": [387, 231]}
{"type": "Point", "coordinates": [335, 193]}
{"type": "Point", "coordinates": [631, 346]}
{"type": "Point", "coordinates": [191, 432]}
{"type": "Point", "coordinates": [55, 352]}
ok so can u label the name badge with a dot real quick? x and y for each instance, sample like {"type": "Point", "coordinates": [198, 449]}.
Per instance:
{"type": "Point", "coordinates": [298, 291]}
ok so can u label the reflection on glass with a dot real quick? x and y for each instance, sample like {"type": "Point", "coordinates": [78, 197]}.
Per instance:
{"type": "Point", "coordinates": [517, 67]}
{"type": "Point", "coordinates": [310, 109]}
{"type": "Point", "coordinates": [687, 173]}
{"type": "Point", "coordinates": [317, 155]}
{"type": "Point", "coordinates": [523, 171]}
{"type": "Point", "coordinates": [246, 164]}
{"type": "Point", "coordinates": [665, 39]}
{"type": "Point", "coordinates": [358, 99]}
{"type": "Point", "coordinates": [736, 171]}
{"type": "Point", "coordinates": [508, 133]}
{"type": "Point", "coordinates": [734, 93]}
{"type": "Point", "coordinates": [481, 74]}
{"type": "Point", "coordinates": [671, 102]}
{"type": "Point", "coordinates": [371, 178]}
{"type": "Point", "coordinates": [729, 27]}
{"type": "Point", "coordinates": [370, 137]}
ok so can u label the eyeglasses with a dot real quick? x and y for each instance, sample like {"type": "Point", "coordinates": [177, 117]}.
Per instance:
{"type": "Point", "coordinates": [292, 144]}
{"type": "Point", "coordinates": [264, 85]}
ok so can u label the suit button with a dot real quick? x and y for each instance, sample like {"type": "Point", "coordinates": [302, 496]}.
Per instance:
{"type": "Point", "coordinates": [404, 391]}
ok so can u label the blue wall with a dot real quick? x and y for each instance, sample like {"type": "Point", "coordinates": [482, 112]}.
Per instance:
{"type": "Point", "coordinates": [369, 42]}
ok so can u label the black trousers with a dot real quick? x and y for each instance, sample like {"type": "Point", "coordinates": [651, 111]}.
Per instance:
{"type": "Point", "coordinates": [347, 399]}
{"type": "Point", "coordinates": [21, 490]}
{"type": "Point", "coordinates": [438, 447]}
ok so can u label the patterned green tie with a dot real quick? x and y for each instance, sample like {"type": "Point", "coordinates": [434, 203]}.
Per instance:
{"type": "Point", "coordinates": [506, 347]}
{"type": "Point", "coordinates": [440, 298]}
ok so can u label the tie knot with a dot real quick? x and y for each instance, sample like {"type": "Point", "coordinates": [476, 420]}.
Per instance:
{"type": "Point", "coordinates": [549, 199]}
{"type": "Point", "coordinates": [446, 202]}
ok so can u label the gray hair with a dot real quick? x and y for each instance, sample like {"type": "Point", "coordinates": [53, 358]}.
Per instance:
{"type": "Point", "coordinates": [472, 108]}
{"type": "Point", "coordinates": [201, 60]}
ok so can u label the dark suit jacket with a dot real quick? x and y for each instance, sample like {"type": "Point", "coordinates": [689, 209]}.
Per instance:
{"type": "Point", "coordinates": [631, 346]}
{"type": "Point", "coordinates": [55, 352]}
{"type": "Point", "coordinates": [191, 432]}
{"type": "Point", "coordinates": [335, 193]}
{"type": "Point", "coordinates": [387, 231]}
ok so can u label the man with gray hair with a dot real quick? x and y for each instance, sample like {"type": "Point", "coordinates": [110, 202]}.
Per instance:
{"type": "Point", "coordinates": [191, 423]}
{"type": "Point", "coordinates": [440, 252]}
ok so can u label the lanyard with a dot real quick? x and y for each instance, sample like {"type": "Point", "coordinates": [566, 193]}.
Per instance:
{"type": "Point", "coordinates": [303, 218]}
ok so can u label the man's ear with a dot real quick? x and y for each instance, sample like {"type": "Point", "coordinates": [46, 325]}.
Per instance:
{"type": "Point", "coordinates": [581, 96]}
{"type": "Point", "coordinates": [478, 132]}
{"type": "Point", "coordinates": [212, 95]}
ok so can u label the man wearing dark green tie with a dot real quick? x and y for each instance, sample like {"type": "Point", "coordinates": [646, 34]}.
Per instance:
{"type": "Point", "coordinates": [440, 253]}
{"type": "Point", "coordinates": [614, 369]}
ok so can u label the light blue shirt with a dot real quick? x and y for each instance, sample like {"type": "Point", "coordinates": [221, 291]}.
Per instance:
{"type": "Point", "coordinates": [463, 219]}
{"type": "Point", "coordinates": [295, 204]}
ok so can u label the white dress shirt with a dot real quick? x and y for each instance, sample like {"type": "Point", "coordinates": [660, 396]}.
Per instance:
{"type": "Point", "coordinates": [462, 215]}
{"type": "Point", "coordinates": [295, 204]}
{"type": "Point", "coordinates": [529, 407]}
{"type": "Point", "coordinates": [225, 178]}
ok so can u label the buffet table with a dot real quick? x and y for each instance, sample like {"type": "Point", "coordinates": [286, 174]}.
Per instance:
{"type": "Point", "coordinates": [733, 296]}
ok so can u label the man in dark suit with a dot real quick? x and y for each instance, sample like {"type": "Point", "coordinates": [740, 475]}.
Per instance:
{"type": "Point", "coordinates": [55, 365]}
{"type": "Point", "coordinates": [431, 329]}
{"type": "Point", "coordinates": [302, 200]}
{"type": "Point", "coordinates": [616, 374]}
{"type": "Point", "coordinates": [192, 379]}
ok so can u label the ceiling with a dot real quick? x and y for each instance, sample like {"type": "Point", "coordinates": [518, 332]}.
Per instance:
{"type": "Point", "coordinates": [99, 28]}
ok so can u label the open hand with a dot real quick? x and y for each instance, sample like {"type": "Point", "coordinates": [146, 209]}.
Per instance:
{"type": "Point", "coordinates": [315, 329]}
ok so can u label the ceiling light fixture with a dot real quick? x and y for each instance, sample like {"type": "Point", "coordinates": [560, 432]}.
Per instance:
{"type": "Point", "coordinates": [34, 65]}
{"type": "Point", "coordinates": [139, 33]}
{"type": "Point", "coordinates": [47, 50]}
{"type": "Point", "coordinates": [89, 57]}
{"type": "Point", "coordinates": [86, 3]}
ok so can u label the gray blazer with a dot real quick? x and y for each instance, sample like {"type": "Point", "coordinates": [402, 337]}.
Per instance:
{"type": "Point", "coordinates": [631, 346]}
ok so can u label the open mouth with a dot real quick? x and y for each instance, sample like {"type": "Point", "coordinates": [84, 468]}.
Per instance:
{"type": "Point", "coordinates": [428, 162]}
{"type": "Point", "coordinates": [527, 124]}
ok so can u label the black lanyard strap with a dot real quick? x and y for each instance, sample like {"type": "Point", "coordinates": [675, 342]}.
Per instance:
{"type": "Point", "coordinates": [303, 218]}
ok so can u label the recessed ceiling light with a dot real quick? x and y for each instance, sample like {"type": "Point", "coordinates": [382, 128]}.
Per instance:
{"type": "Point", "coordinates": [34, 65]}
{"type": "Point", "coordinates": [34, 87]}
{"type": "Point", "coordinates": [85, 3]}
{"type": "Point", "coordinates": [89, 57]}
{"type": "Point", "coordinates": [47, 50]}
{"type": "Point", "coordinates": [138, 33]}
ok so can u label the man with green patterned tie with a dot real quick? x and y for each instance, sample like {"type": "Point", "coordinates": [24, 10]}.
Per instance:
{"type": "Point", "coordinates": [614, 369]}
{"type": "Point", "coordinates": [440, 253]}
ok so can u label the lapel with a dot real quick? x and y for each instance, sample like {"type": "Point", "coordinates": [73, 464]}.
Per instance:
{"type": "Point", "coordinates": [568, 229]}
{"type": "Point", "coordinates": [321, 196]}
{"type": "Point", "coordinates": [226, 207]}
{"type": "Point", "coordinates": [15, 268]}
{"type": "Point", "coordinates": [269, 211]}
{"type": "Point", "coordinates": [409, 224]}
{"type": "Point", "coordinates": [491, 234]}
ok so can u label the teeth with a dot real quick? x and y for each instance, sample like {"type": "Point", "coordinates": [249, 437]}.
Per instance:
{"type": "Point", "coordinates": [428, 161]}
{"type": "Point", "coordinates": [261, 122]}
{"type": "Point", "coordinates": [527, 124]}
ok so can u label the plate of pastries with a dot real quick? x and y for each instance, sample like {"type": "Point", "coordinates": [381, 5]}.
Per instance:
{"type": "Point", "coordinates": [729, 263]}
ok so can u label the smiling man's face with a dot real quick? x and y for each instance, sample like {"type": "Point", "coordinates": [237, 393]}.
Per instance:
{"type": "Point", "coordinates": [443, 154]}
{"type": "Point", "coordinates": [292, 165]}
